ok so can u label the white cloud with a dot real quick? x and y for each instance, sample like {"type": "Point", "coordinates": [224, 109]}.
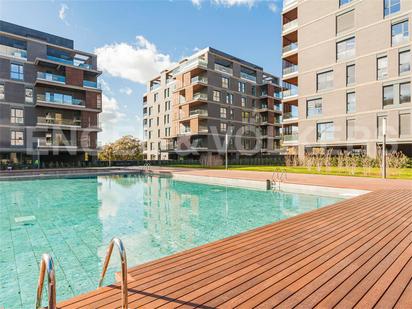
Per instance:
{"type": "Point", "coordinates": [273, 7]}
{"type": "Point", "coordinates": [138, 62]}
{"type": "Point", "coordinates": [105, 86]}
{"type": "Point", "coordinates": [126, 90]}
{"type": "Point", "coordinates": [110, 114]}
{"type": "Point", "coordinates": [197, 3]}
{"type": "Point", "coordinates": [63, 12]}
{"type": "Point", "coordinates": [230, 3]}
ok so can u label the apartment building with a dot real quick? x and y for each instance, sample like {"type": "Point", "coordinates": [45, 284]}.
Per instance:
{"type": "Point", "coordinates": [210, 100]}
{"type": "Point", "coordinates": [49, 98]}
{"type": "Point", "coordinates": [346, 71]}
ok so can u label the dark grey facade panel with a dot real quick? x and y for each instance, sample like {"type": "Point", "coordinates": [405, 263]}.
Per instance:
{"type": "Point", "coordinates": [4, 68]}
{"type": "Point", "coordinates": [14, 92]}
{"type": "Point", "coordinates": [36, 50]}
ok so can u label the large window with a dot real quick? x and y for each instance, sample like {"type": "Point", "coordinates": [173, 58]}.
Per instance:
{"type": "Point", "coordinates": [391, 6]}
{"type": "Point", "coordinates": [16, 71]}
{"type": "Point", "coordinates": [243, 101]}
{"type": "Point", "coordinates": [229, 98]}
{"type": "Point", "coordinates": [223, 127]}
{"type": "Point", "coordinates": [29, 95]}
{"type": "Point", "coordinates": [223, 112]}
{"type": "Point", "coordinates": [400, 32]}
{"type": "Point", "coordinates": [325, 131]}
{"type": "Point", "coordinates": [404, 62]}
{"type": "Point", "coordinates": [324, 80]}
{"type": "Point", "coordinates": [17, 138]}
{"type": "Point", "coordinates": [350, 74]}
{"type": "Point", "coordinates": [350, 129]}
{"type": "Point", "coordinates": [314, 108]}
{"type": "Point", "coordinates": [245, 116]}
{"type": "Point", "coordinates": [387, 95]}
{"type": "Point", "coordinates": [382, 67]}
{"type": "Point", "coordinates": [343, 2]}
{"type": "Point", "coordinates": [225, 82]}
{"type": "Point", "coordinates": [405, 93]}
{"type": "Point", "coordinates": [405, 124]}
{"type": "Point", "coordinates": [345, 49]}
{"type": "Point", "coordinates": [241, 87]}
{"type": "Point", "coordinates": [1, 92]}
{"type": "Point", "coordinates": [16, 116]}
{"type": "Point", "coordinates": [216, 96]}
{"type": "Point", "coordinates": [350, 102]}
{"type": "Point", "coordinates": [345, 22]}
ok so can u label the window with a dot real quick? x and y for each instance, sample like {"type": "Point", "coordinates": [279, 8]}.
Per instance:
{"type": "Point", "coordinates": [391, 6]}
{"type": "Point", "coordinates": [245, 116]}
{"type": "Point", "coordinates": [17, 138]}
{"type": "Point", "coordinates": [29, 95]}
{"type": "Point", "coordinates": [1, 92]}
{"type": "Point", "coordinates": [381, 119]}
{"type": "Point", "coordinates": [405, 124]}
{"type": "Point", "coordinates": [343, 2]}
{"type": "Point", "coordinates": [325, 131]}
{"type": "Point", "coordinates": [223, 127]}
{"type": "Point", "coordinates": [99, 101]}
{"type": "Point", "coordinates": [231, 115]}
{"type": "Point", "coordinates": [157, 121]}
{"type": "Point", "coordinates": [324, 80]}
{"type": "Point", "coordinates": [387, 95]}
{"type": "Point", "coordinates": [225, 82]}
{"type": "Point", "coordinates": [16, 71]}
{"type": "Point", "coordinates": [155, 96]}
{"type": "Point", "coordinates": [16, 116]}
{"type": "Point", "coordinates": [405, 93]}
{"type": "Point", "coordinates": [150, 111]}
{"type": "Point", "coordinates": [404, 62]}
{"type": "Point", "coordinates": [350, 74]}
{"type": "Point", "coordinates": [216, 96]}
{"type": "Point", "coordinates": [400, 33]}
{"type": "Point", "coordinates": [223, 112]}
{"type": "Point", "coordinates": [167, 105]}
{"type": "Point", "coordinates": [345, 22]}
{"type": "Point", "coordinates": [345, 49]}
{"type": "Point", "coordinates": [243, 101]}
{"type": "Point", "coordinates": [229, 98]}
{"type": "Point", "coordinates": [350, 129]}
{"type": "Point", "coordinates": [167, 92]}
{"type": "Point", "coordinates": [350, 102]}
{"type": "Point", "coordinates": [241, 87]}
{"type": "Point", "coordinates": [382, 67]}
{"type": "Point", "coordinates": [254, 90]}
{"type": "Point", "coordinates": [314, 107]}
{"type": "Point", "coordinates": [158, 108]}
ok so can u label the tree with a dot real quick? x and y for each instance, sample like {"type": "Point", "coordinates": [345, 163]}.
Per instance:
{"type": "Point", "coordinates": [126, 148]}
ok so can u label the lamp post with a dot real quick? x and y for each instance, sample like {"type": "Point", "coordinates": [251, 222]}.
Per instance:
{"type": "Point", "coordinates": [384, 148]}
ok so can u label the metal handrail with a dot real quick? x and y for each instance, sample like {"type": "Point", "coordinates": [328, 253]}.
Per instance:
{"type": "Point", "coordinates": [278, 176]}
{"type": "Point", "coordinates": [122, 252]}
{"type": "Point", "coordinates": [46, 265]}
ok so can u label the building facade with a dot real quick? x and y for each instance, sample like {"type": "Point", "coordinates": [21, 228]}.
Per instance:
{"type": "Point", "coordinates": [49, 98]}
{"type": "Point", "coordinates": [346, 70]}
{"type": "Point", "coordinates": [208, 102]}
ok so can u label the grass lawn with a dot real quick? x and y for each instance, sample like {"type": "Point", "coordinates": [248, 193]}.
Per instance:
{"type": "Point", "coordinates": [402, 173]}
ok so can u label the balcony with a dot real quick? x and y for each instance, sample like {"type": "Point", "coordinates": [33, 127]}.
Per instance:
{"type": "Point", "coordinates": [154, 87]}
{"type": "Point", "coordinates": [289, 3]}
{"type": "Point", "coordinates": [51, 77]}
{"type": "Point", "coordinates": [290, 93]}
{"type": "Point", "coordinates": [185, 130]}
{"type": "Point", "coordinates": [290, 137]}
{"type": "Point", "coordinates": [49, 143]}
{"type": "Point", "coordinates": [70, 62]}
{"type": "Point", "coordinates": [199, 79]}
{"type": "Point", "coordinates": [91, 84]}
{"type": "Point", "coordinates": [200, 96]}
{"type": "Point", "coordinates": [197, 62]}
{"type": "Point", "coordinates": [13, 52]}
{"type": "Point", "coordinates": [277, 107]}
{"type": "Point", "coordinates": [290, 69]}
{"type": "Point", "coordinates": [223, 69]}
{"type": "Point", "coordinates": [292, 25]}
{"type": "Point", "coordinates": [59, 99]}
{"type": "Point", "coordinates": [203, 129]}
{"type": "Point", "coordinates": [290, 47]}
{"type": "Point", "coordinates": [49, 121]}
{"type": "Point", "coordinates": [199, 112]}
{"type": "Point", "coordinates": [247, 76]}
{"type": "Point", "coordinates": [290, 116]}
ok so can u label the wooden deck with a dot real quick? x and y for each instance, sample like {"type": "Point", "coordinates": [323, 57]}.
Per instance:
{"type": "Point", "coordinates": [356, 253]}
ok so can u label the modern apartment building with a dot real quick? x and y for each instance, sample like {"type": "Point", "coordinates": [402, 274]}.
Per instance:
{"type": "Point", "coordinates": [346, 70]}
{"type": "Point", "coordinates": [49, 98]}
{"type": "Point", "coordinates": [190, 108]}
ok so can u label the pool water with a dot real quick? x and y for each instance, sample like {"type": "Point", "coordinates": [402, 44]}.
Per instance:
{"type": "Point", "coordinates": [74, 220]}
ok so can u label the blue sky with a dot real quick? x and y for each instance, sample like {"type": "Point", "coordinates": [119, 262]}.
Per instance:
{"type": "Point", "coordinates": [136, 39]}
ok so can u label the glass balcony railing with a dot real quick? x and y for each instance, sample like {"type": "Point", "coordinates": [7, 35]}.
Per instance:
{"type": "Point", "coordinates": [48, 142]}
{"type": "Point", "coordinates": [154, 87]}
{"type": "Point", "coordinates": [13, 52]}
{"type": "Point", "coordinates": [290, 47]}
{"type": "Point", "coordinates": [70, 62]}
{"type": "Point", "coordinates": [185, 130]}
{"type": "Point", "coordinates": [199, 79]}
{"type": "Point", "coordinates": [223, 69]}
{"type": "Point", "coordinates": [203, 129]}
{"type": "Point", "coordinates": [248, 76]}
{"type": "Point", "coordinates": [278, 95]}
{"type": "Point", "coordinates": [290, 69]}
{"type": "Point", "coordinates": [290, 25]}
{"type": "Point", "coordinates": [291, 137]}
{"type": "Point", "coordinates": [51, 77]}
{"type": "Point", "coordinates": [277, 108]}
{"type": "Point", "coordinates": [91, 84]}
{"type": "Point", "coordinates": [290, 115]}
{"type": "Point", "coordinates": [198, 112]}
{"type": "Point", "coordinates": [54, 121]}
{"type": "Point", "coordinates": [289, 3]}
{"type": "Point", "coordinates": [197, 62]}
{"type": "Point", "coordinates": [200, 96]}
{"type": "Point", "coordinates": [290, 93]}
{"type": "Point", "coordinates": [60, 99]}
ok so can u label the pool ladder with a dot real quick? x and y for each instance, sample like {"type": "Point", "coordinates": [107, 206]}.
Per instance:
{"type": "Point", "coordinates": [47, 265]}
{"type": "Point", "coordinates": [278, 176]}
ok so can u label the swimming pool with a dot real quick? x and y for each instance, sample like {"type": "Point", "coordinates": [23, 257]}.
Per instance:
{"type": "Point", "coordinates": [74, 219]}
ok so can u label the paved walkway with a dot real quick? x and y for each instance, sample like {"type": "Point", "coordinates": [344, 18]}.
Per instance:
{"type": "Point", "coordinates": [347, 182]}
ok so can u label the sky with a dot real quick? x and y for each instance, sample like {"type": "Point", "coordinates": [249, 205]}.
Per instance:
{"type": "Point", "coordinates": [135, 40]}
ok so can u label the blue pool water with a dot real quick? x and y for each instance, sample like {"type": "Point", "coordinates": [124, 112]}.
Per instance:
{"type": "Point", "coordinates": [74, 219]}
